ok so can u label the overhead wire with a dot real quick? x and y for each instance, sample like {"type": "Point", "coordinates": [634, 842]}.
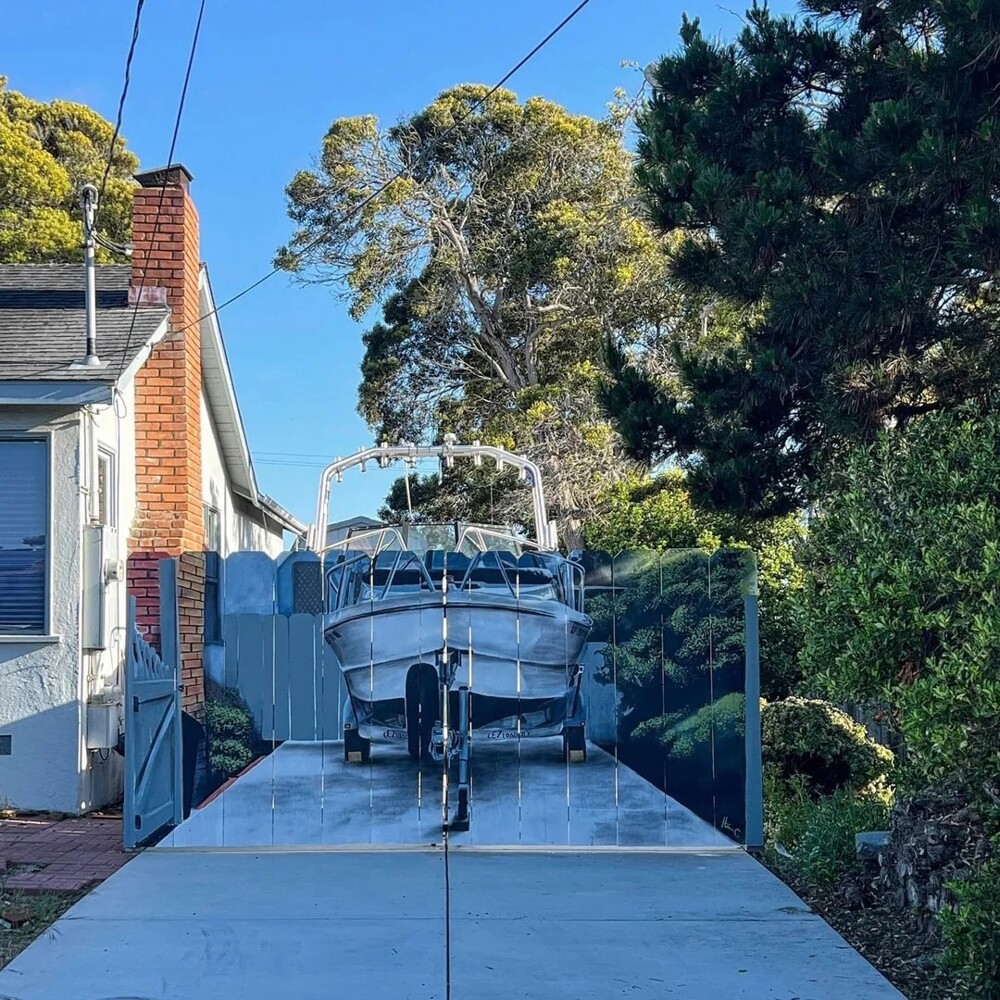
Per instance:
{"type": "Point", "coordinates": [475, 106]}
{"type": "Point", "coordinates": [117, 629]}
{"type": "Point", "coordinates": [122, 98]}
{"type": "Point", "coordinates": [121, 106]}
{"type": "Point", "coordinates": [170, 160]}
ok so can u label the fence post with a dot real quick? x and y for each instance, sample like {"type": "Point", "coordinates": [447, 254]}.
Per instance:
{"type": "Point", "coordinates": [170, 654]}
{"type": "Point", "coordinates": [754, 773]}
{"type": "Point", "coordinates": [128, 805]}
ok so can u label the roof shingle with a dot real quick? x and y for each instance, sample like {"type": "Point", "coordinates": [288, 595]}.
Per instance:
{"type": "Point", "coordinates": [43, 326]}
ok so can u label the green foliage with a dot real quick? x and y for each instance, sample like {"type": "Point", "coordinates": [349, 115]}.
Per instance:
{"type": "Point", "coordinates": [823, 748]}
{"type": "Point", "coordinates": [832, 181]}
{"type": "Point", "coordinates": [680, 617]}
{"type": "Point", "coordinates": [229, 757]}
{"type": "Point", "coordinates": [972, 931]}
{"type": "Point", "coordinates": [230, 733]}
{"type": "Point", "coordinates": [903, 588]}
{"type": "Point", "coordinates": [462, 493]}
{"type": "Point", "coordinates": [508, 251]}
{"type": "Point", "coordinates": [675, 655]}
{"type": "Point", "coordinates": [653, 514]}
{"type": "Point", "coordinates": [683, 737]}
{"type": "Point", "coordinates": [660, 514]}
{"type": "Point", "coordinates": [819, 833]}
{"type": "Point", "coordinates": [47, 153]}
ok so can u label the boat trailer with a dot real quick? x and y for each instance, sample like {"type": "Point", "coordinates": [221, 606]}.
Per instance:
{"type": "Point", "coordinates": [451, 740]}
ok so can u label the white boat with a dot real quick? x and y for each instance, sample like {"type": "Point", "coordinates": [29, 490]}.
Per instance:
{"type": "Point", "coordinates": [413, 610]}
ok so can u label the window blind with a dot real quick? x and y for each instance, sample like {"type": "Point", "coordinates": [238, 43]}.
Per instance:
{"type": "Point", "coordinates": [23, 536]}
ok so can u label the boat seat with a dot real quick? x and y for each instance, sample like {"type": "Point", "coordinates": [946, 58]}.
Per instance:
{"type": "Point", "coordinates": [334, 558]}
{"type": "Point", "coordinates": [531, 559]}
{"type": "Point", "coordinates": [532, 577]}
{"type": "Point", "coordinates": [533, 568]}
{"type": "Point", "coordinates": [436, 559]}
{"type": "Point", "coordinates": [407, 570]}
{"type": "Point", "coordinates": [493, 569]}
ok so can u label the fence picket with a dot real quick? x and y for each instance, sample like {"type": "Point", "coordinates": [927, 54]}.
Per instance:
{"type": "Point", "coordinates": [302, 673]}
{"type": "Point", "coordinates": [282, 680]}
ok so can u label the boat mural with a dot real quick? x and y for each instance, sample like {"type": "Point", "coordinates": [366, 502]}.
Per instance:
{"type": "Point", "coordinates": [445, 629]}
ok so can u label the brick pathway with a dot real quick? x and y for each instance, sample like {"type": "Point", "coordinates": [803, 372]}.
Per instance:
{"type": "Point", "coordinates": [74, 853]}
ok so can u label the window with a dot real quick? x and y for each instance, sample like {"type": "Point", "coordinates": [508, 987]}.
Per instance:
{"type": "Point", "coordinates": [213, 530]}
{"type": "Point", "coordinates": [213, 598]}
{"type": "Point", "coordinates": [213, 591]}
{"type": "Point", "coordinates": [106, 513]}
{"type": "Point", "coordinates": [24, 528]}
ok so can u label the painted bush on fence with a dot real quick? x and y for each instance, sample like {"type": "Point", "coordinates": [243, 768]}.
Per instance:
{"type": "Point", "coordinates": [672, 632]}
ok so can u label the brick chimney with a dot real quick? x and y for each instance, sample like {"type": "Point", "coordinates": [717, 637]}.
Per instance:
{"type": "Point", "coordinates": [169, 518]}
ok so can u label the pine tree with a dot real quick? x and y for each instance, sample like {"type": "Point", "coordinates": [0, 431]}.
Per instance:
{"type": "Point", "coordinates": [836, 181]}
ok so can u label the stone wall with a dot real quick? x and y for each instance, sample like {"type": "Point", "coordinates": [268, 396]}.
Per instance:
{"type": "Point", "coordinates": [936, 838]}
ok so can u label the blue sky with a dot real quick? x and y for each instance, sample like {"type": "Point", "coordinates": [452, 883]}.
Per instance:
{"type": "Point", "coordinates": [268, 80]}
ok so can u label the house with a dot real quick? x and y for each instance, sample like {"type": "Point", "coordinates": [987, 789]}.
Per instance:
{"type": "Point", "coordinates": [104, 470]}
{"type": "Point", "coordinates": [337, 531]}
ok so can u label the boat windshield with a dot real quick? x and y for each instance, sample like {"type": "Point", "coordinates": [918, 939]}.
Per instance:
{"type": "Point", "coordinates": [422, 538]}
{"type": "Point", "coordinates": [358, 575]}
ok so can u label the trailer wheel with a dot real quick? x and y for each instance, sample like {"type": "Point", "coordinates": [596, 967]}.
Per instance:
{"type": "Point", "coordinates": [574, 744]}
{"type": "Point", "coordinates": [357, 750]}
{"type": "Point", "coordinates": [422, 708]}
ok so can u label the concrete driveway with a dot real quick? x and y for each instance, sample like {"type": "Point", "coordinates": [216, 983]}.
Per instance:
{"type": "Point", "coordinates": [310, 880]}
{"type": "Point", "coordinates": [322, 924]}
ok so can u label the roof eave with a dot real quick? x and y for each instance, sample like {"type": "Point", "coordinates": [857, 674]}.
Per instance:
{"type": "Point", "coordinates": [222, 402]}
{"type": "Point", "coordinates": [35, 392]}
{"type": "Point", "coordinates": [142, 356]}
{"type": "Point", "coordinates": [285, 518]}
{"type": "Point", "coordinates": [221, 397]}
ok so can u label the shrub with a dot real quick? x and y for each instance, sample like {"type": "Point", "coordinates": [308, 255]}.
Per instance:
{"type": "Point", "coordinates": [972, 931]}
{"type": "Point", "coordinates": [230, 732]}
{"type": "Point", "coordinates": [229, 757]}
{"type": "Point", "coordinates": [819, 832]}
{"type": "Point", "coordinates": [903, 588]}
{"type": "Point", "coordinates": [819, 746]}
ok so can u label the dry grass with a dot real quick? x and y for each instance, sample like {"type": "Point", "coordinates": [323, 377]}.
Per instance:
{"type": "Point", "coordinates": [42, 911]}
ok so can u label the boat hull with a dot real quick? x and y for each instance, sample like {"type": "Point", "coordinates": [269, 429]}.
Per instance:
{"type": "Point", "coordinates": [509, 649]}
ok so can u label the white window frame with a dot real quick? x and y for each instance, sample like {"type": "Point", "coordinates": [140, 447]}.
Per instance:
{"type": "Point", "coordinates": [212, 509]}
{"type": "Point", "coordinates": [105, 454]}
{"type": "Point", "coordinates": [215, 554]}
{"type": "Point", "coordinates": [45, 635]}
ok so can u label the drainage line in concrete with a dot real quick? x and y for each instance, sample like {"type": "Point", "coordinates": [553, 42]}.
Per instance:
{"type": "Point", "coordinates": [447, 917]}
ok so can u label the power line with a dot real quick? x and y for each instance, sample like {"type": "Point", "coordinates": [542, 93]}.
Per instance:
{"type": "Point", "coordinates": [163, 188]}
{"type": "Point", "coordinates": [402, 171]}
{"type": "Point", "coordinates": [121, 105]}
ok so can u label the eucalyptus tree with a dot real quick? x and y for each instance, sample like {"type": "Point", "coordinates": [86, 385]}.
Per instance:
{"type": "Point", "coordinates": [503, 242]}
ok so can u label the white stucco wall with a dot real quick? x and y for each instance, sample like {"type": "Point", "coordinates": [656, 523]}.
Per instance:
{"type": "Point", "coordinates": [242, 526]}
{"type": "Point", "coordinates": [45, 683]}
{"type": "Point", "coordinates": [40, 679]}
{"type": "Point", "coordinates": [114, 432]}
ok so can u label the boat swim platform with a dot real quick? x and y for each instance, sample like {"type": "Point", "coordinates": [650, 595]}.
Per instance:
{"type": "Point", "coordinates": [524, 796]}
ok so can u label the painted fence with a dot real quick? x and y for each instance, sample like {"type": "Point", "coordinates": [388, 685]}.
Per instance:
{"type": "Point", "coordinates": [670, 676]}
{"type": "Point", "coordinates": [286, 673]}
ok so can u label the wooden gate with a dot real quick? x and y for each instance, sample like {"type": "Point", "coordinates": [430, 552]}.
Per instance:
{"type": "Point", "coordinates": [154, 787]}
